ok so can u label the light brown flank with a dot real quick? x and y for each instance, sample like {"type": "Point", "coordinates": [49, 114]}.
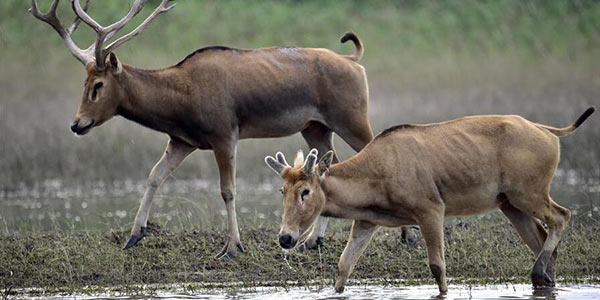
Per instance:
{"type": "Point", "coordinates": [418, 174]}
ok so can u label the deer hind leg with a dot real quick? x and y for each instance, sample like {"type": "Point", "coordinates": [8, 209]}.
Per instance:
{"type": "Point", "coordinates": [354, 130]}
{"type": "Point", "coordinates": [532, 232]}
{"type": "Point", "coordinates": [320, 137]}
{"type": "Point", "coordinates": [175, 153]}
{"type": "Point", "coordinates": [225, 158]}
{"type": "Point", "coordinates": [556, 217]}
{"type": "Point", "coordinates": [360, 236]}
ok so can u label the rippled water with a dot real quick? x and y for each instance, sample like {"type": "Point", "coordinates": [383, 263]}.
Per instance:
{"type": "Point", "coordinates": [521, 291]}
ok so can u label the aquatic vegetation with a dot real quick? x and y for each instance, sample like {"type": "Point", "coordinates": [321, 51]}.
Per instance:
{"type": "Point", "coordinates": [74, 261]}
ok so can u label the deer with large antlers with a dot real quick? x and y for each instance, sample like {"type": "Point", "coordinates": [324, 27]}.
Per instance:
{"type": "Point", "coordinates": [217, 96]}
{"type": "Point", "coordinates": [419, 174]}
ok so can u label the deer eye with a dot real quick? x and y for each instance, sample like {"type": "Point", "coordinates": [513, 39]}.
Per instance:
{"type": "Point", "coordinates": [304, 193]}
{"type": "Point", "coordinates": [97, 86]}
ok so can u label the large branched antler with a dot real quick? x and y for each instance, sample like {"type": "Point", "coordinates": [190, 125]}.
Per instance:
{"type": "Point", "coordinates": [159, 10]}
{"type": "Point", "coordinates": [97, 52]}
{"type": "Point", "coordinates": [105, 33]}
{"type": "Point", "coordinates": [84, 56]}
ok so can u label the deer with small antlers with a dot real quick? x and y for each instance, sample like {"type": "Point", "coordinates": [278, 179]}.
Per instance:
{"type": "Point", "coordinates": [217, 96]}
{"type": "Point", "coordinates": [419, 174]}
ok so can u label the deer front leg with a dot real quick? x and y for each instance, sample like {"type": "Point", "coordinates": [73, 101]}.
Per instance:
{"type": "Point", "coordinates": [360, 236]}
{"type": "Point", "coordinates": [226, 162]}
{"type": "Point", "coordinates": [432, 228]}
{"type": "Point", "coordinates": [175, 153]}
{"type": "Point", "coordinates": [317, 236]}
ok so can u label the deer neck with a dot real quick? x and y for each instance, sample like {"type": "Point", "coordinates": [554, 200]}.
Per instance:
{"type": "Point", "coordinates": [353, 192]}
{"type": "Point", "coordinates": [153, 98]}
{"type": "Point", "coordinates": [344, 192]}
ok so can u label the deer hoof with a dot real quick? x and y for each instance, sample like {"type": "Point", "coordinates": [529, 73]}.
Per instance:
{"type": "Point", "coordinates": [227, 254]}
{"type": "Point", "coordinates": [135, 238]}
{"type": "Point", "coordinates": [230, 253]}
{"type": "Point", "coordinates": [311, 244]}
{"type": "Point", "coordinates": [549, 280]}
{"type": "Point", "coordinates": [542, 281]}
{"type": "Point", "coordinates": [240, 248]}
{"type": "Point", "coordinates": [409, 237]}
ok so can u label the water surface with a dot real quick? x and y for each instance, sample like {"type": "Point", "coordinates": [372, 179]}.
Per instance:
{"type": "Point", "coordinates": [519, 291]}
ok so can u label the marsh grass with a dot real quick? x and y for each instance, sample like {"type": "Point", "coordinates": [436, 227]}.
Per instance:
{"type": "Point", "coordinates": [478, 251]}
{"type": "Point", "coordinates": [62, 253]}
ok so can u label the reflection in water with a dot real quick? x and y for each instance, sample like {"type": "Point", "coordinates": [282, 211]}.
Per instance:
{"type": "Point", "coordinates": [549, 293]}
{"type": "Point", "coordinates": [455, 292]}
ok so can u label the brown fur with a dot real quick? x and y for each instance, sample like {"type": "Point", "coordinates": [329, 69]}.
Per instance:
{"type": "Point", "coordinates": [212, 93]}
{"type": "Point", "coordinates": [418, 174]}
{"type": "Point", "coordinates": [218, 95]}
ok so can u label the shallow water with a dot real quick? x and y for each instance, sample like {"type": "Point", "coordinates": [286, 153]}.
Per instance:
{"type": "Point", "coordinates": [519, 291]}
{"type": "Point", "coordinates": [55, 205]}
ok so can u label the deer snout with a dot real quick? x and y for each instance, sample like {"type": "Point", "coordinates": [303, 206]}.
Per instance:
{"type": "Point", "coordinates": [81, 127]}
{"type": "Point", "coordinates": [287, 241]}
{"type": "Point", "coordinates": [74, 125]}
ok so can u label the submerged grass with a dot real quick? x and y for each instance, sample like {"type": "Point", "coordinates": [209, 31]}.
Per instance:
{"type": "Point", "coordinates": [478, 251]}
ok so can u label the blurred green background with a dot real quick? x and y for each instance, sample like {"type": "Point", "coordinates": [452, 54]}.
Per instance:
{"type": "Point", "coordinates": [426, 61]}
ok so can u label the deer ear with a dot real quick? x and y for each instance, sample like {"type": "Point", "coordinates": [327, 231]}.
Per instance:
{"type": "Point", "coordinates": [114, 64]}
{"type": "Point", "coordinates": [325, 162]}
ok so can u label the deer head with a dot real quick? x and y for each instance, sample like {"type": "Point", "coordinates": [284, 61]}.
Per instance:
{"type": "Point", "coordinates": [303, 198]}
{"type": "Point", "coordinates": [102, 91]}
